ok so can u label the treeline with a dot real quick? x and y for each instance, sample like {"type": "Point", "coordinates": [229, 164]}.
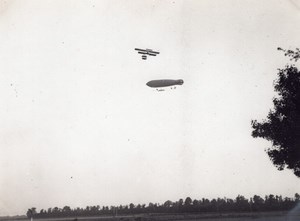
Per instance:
{"type": "Point", "coordinates": [219, 205]}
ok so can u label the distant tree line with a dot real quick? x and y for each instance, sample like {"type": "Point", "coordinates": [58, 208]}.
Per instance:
{"type": "Point", "coordinates": [219, 205]}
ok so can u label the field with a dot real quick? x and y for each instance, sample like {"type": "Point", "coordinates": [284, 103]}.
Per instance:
{"type": "Point", "coordinates": [270, 216]}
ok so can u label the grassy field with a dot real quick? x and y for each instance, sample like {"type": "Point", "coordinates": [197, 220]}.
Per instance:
{"type": "Point", "coordinates": [267, 216]}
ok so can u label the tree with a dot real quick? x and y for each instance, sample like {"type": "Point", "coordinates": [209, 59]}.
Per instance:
{"type": "Point", "coordinates": [67, 210]}
{"type": "Point", "coordinates": [242, 203]}
{"type": "Point", "coordinates": [31, 212]}
{"type": "Point", "coordinates": [258, 203]}
{"type": "Point", "coordinates": [297, 197]}
{"type": "Point", "coordinates": [282, 126]}
{"type": "Point", "coordinates": [188, 201]}
{"type": "Point", "coordinates": [168, 204]}
{"type": "Point", "coordinates": [131, 206]}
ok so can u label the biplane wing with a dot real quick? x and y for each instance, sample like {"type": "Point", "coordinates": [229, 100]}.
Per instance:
{"type": "Point", "coordinates": [146, 52]}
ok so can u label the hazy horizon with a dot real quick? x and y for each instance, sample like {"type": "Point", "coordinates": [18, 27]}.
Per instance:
{"type": "Point", "coordinates": [80, 127]}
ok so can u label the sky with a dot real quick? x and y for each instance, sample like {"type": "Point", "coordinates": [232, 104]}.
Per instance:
{"type": "Point", "coordinates": [80, 127]}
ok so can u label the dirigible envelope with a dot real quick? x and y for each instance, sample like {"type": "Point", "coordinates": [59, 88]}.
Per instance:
{"type": "Point", "coordinates": [164, 83]}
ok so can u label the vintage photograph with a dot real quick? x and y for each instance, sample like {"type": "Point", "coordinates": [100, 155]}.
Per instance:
{"type": "Point", "coordinates": [149, 110]}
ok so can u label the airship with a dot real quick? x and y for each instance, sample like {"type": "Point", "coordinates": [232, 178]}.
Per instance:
{"type": "Point", "coordinates": [164, 83]}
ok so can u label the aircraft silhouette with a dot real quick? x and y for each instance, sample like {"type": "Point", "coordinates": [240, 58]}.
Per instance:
{"type": "Point", "coordinates": [164, 83]}
{"type": "Point", "coordinates": [146, 52]}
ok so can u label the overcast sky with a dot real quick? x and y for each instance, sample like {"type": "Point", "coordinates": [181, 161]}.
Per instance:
{"type": "Point", "coordinates": [80, 127]}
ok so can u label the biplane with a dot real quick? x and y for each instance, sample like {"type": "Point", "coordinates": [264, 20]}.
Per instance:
{"type": "Point", "coordinates": [146, 52]}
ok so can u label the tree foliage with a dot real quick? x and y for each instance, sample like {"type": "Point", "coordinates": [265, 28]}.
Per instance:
{"type": "Point", "coordinates": [294, 55]}
{"type": "Point", "coordinates": [282, 126]}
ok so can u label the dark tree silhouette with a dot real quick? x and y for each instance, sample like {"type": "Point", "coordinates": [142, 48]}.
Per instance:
{"type": "Point", "coordinates": [31, 212]}
{"type": "Point", "coordinates": [188, 201]}
{"type": "Point", "coordinates": [220, 205]}
{"type": "Point", "coordinates": [282, 126]}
